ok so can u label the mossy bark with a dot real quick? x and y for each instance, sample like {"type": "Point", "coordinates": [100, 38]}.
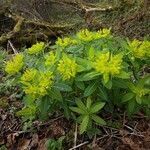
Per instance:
{"type": "Point", "coordinates": [43, 19]}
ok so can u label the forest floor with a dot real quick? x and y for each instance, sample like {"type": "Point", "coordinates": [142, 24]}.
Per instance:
{"type": "Point", "coordinates": [127, 134]}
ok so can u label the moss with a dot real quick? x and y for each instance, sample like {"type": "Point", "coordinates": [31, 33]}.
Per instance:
{"type": "Point", "coordinates": [4, 102]}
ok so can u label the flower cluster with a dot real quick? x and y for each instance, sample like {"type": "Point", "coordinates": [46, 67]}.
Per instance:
{"type": "Point", "coordinates": [140, 49]}
{"type": "Point", "coordinates": [15, 65]}
{"type": "Point", "coordinates": [108, 64]}
{"type": "Point", "coordinates": [103, 33]}
{"type": "Point", "coordinates": [28, 76]}
{"type": "Point", "coordinates": [67, 67]}
{"type": "Point", "coordinates": [36, 48]}
{"type": "Point", "coordinates": [36, 83]}
{"type": "Point", "coordinates": [65, 42]}
{"type": "Point", "coordinates": [87, 36]}
{"type": "Point", "coordinates": [141, 92]}
{"type": "Point", "coordinates": [50, 59]}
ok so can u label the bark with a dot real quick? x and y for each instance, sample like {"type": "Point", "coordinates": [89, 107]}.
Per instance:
{"type": "Point", "coordinates": [48, 18]}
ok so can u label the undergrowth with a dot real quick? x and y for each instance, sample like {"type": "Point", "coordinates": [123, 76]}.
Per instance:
{"type": "Point", "coordinates": [85, 77]}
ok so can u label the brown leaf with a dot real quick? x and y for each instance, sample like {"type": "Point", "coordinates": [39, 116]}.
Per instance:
{"type": "Point", "coordinates": [11, 139]}
{"type": "Point", "coordinates": [23, 144]}
{"type": "Point", "coordinates": [42, 144]}
{"type": "Point", "coordinates": [123, 132]}
{"type": "Point", "coordinates": [129, 141]}
{"type": "Point", "coordinates": [35, 140]}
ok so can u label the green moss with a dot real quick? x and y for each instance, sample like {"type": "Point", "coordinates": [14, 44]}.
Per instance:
{"type": "Point", "coordinates": [4, 102]}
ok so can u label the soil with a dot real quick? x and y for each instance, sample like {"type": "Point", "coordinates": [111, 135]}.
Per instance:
{"type": "Point", "coordinates": [131, 134]}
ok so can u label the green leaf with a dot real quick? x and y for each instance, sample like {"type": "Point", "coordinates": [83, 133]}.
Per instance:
{"type": "Point", "coordinates": [138, 100]}
{"type": "Point", "coordinates": [146, 100]}
{"type": "Point", "coordinates": [63, 87]}
{"type": "Point", "coordinates": [44, 106]}
{"type": "Point", "coordinates": [27, 112]}
{"type": "Point", "coordinates": [80, 104]}
{"type": "Point", "coordinates": [144, 81]}
{"type": "Point", "coordinates": [55, 94]}
{"type": "Point", "coordinates": [80, 118]}
{"type": "Point", "coordinates": [90, 89]}
{"type": "Point", "coordinates": [98, 120]}
{"type": "Point", "coordinates": [96, 107]}
{"type": "Point", "coordinates": [108, 85]}
{"type": "Point", "coordinates": [84, 124]}
{"type": "Point", "coordinates": [88, 102]}
{"type": "Point", "coordinates": [60, 140]}
{"type": "Point", "coordinates": [91, 53]}
{"type": "Point", "coordinates": [67, 111]}
{"type": "Point", "coordinates": [86, 64]}
{"type": "Point", "coordinates": [88, 76]}
{"type": "Point", "coordinates": [80, 85]}
{"type": "Point", "coordinates": [74, 49]}
{"type": "Point", "coordinates": [131, 107]}
{"type": "Point", "coordinates": [28, 100]}
{"type": "Point", "coordinates": [77, 110]}
{"type": "Point", "coordinates": [119, 84]}
{"type": "Point", "coordinates": [105, 78]}
{"type": "Point", "coordinates": [127, 97]}
{"type": "Point", "coordinates": [131, 86]}
{"type": "Point", "coordinates": [147, 112]}
{"type": "Point", "coordinates": [102, 93]}
{"type": "Point", "coordinates": [124, 75]}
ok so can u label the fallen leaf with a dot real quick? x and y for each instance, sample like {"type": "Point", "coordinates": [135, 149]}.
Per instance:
{"type": "Point", "coordinates": [23, 144]}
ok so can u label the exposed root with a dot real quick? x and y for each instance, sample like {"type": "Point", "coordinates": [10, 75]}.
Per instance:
{"type": "Point", "coordinates": [6, 36]}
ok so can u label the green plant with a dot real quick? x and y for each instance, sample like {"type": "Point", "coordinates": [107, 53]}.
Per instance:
{"type": "Point", "coordinates": [5, 82]}
{"type": "Point", "coordinates": [3, 147]}
{"type": "Point", "coordinates": [88, 113]}
{"type": "Point", "coordinates": [55, 144]}
{"type": "Point", "coordinates": [138, 93]}
{"type": "Point", "coordinates": [89, 64]}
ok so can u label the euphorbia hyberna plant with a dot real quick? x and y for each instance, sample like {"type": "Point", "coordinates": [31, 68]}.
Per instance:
{"type": "Point", "coordinates": [88, 64]}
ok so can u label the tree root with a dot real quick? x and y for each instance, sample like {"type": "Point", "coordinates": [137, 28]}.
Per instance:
{"type": "Point", "coordinates": [6, 36]}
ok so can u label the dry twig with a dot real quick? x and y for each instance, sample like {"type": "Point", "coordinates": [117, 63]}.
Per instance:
{"type": "Point", "coordinates": [12, 46]}
{"type": "Point", "coordinates": [80, 145]}
{"type": "Point", "coordinates": [75, 135]}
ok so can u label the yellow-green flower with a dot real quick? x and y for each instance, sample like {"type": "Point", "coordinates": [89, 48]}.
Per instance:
{"type": "Point", "coordinates": [50, 59]}
{"type": "Point", "coordinates": [108, 64]}
{"type": "Point", "coordinates": [65, 42]}
{"type": "Point", "coordinates": [45, 82]}
{"type": "Point", "coordinates": [140, 49]}
{"type": "Point", "coordinates": [31, 90]}
{"type": "Point", "coordinates": [15, 65]}
{"type": "Point", "coordinates": [67, 67]}
{"type": "Point", "coordinates": [115, 64]}
{"type": "Point", "coordinates": [103, 33]}
{"type": "Point", "coordinates": [138, 90]}
{"type": "Point", "coordinates": [29, 75]}
{"type": "Point", "coordinates": [36, 83]}
{"type": "Point", "coordinates": [36, 48]}
{"type": "Point", "coordinates": [85, 35]}
{"type": "Point", "coordinates": [141, 91]}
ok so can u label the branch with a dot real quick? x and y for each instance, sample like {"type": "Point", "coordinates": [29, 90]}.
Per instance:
{"type": "Point", "coordinates": [13, 48]}
{"type": "Point", "coordinates": [4, 37]}
{"type": "Point", "coordinates": [82, 144]}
